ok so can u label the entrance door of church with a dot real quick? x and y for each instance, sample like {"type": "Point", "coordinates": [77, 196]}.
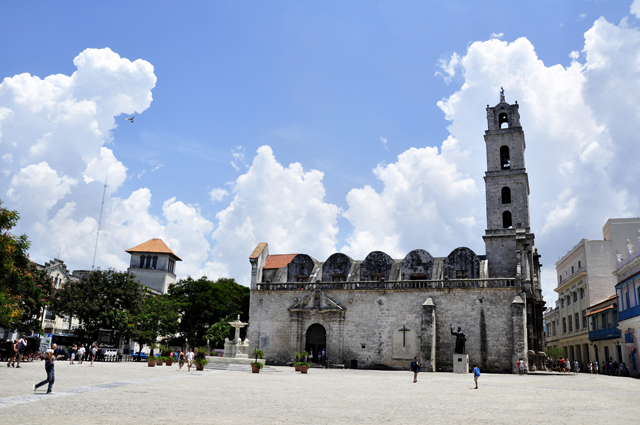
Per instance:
{"type": "Point", "coordinates": [316, 341]}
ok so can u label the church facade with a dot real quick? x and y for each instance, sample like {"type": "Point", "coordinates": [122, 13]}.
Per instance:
{"type": "Point", "coordinates": [381, 312]}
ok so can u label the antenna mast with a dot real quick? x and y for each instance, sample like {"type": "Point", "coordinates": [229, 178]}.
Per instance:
{"type": "Point", "coordinates": [95, 250]}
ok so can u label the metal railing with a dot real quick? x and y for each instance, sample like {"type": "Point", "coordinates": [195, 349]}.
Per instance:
{"type": "Point", "coordinates": [390, 285]}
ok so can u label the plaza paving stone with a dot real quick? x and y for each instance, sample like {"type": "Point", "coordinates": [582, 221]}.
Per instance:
{"type": "Point", "coordinates": [134, 393]}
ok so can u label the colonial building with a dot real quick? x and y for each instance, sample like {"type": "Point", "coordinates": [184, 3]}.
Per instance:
{"type": "Point", "coordinates": [381, 311]}
{"type": "Point", "coordinates": [551, 326]}
{"type": "Point", "coordinates": [628, 300]}
{"type": "Point", "coordinates": [153, 263]}
{"type": "Point", "coordinates": [585, 279]}
{"type": "Point", "coordinates": [57, 271]}
{"type": "Point", "coordinates": [604, 334]}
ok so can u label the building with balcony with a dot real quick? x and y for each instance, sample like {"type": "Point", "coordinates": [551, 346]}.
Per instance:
{"type": "Point", "coordinates": [585, 279]}
{"type": "Point", "coordinates": [57, 271]}
{"type": "Point", "coordinates": [628, 298]}
{"type": "Point", "coordinates": [604, 335]}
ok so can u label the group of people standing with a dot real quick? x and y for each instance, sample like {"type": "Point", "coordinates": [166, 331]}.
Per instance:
{"type": "Point", "coordinates": [17, 351]}
{"type": "Point", "coordinates": [320, 358]}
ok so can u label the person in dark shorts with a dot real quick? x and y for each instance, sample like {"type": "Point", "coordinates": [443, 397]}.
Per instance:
{"type": "Point", "coordinates": [415, 368]}
{"type": "Point", "coordinates": [181, 359]}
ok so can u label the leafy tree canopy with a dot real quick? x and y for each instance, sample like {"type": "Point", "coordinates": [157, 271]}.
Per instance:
{"type": "Point", "coordinates": [157, 317]}
{"type": "Point", "coordinates": [202, 303]}
{"type": "Point", "coordinates": [24, 289]}
{"type": "Point", "coordinates": [102, 300]}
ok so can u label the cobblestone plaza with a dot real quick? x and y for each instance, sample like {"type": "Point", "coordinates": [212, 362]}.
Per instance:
{"type": "Point", "coordinates": [134, 393]}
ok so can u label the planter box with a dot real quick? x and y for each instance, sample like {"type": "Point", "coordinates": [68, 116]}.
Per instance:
{"type": "Point", "coordinates": [169, 362]}
{"type": "Point", "coordinates": [159, 362]}
{"type": "Point", "coordinates": [151, 363]}
{"type": "Point", "coordinates": [255, 369]}
{"type": "Point", "coordinates": [303, 369]}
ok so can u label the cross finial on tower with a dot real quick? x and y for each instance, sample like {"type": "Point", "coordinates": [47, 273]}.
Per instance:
{"type": "Point", "coordinates": [502, 94]}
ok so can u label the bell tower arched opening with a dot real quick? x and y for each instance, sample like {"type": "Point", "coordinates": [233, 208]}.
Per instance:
{"type": "Point", "coordinates": [503, 118]}
{"type": "Point", "coordinates": [505, 160]}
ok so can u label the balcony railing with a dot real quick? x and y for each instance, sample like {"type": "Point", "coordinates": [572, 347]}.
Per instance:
{"type": "Point", "coordinates": [629, 313]}
{"type": "Point", "coordinates": [390, 285]}
{"type": "Point", "coordinates": [607, 333]}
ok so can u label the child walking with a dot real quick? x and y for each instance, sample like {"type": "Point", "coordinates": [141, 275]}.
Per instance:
{"type": "Point", "coordinates": [476, 375]}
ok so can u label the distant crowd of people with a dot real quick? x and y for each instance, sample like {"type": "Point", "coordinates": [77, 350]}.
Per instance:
{"type": "Point", "coordinates": [611, 367]}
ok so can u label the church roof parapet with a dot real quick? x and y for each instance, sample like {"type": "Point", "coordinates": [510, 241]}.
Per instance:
{"type": "Point", "coordinates": [445, 283]}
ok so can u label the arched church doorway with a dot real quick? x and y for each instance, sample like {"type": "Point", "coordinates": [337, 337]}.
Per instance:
{"type": "Point", "coordinates": [316, 341]}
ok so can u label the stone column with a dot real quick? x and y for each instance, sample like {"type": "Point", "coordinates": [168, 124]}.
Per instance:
{"type": "Point", "coordinates": [519, 324]}
{"type": "Point", "coordinates": [428, 334]}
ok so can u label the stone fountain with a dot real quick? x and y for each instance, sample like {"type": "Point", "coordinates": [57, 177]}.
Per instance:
{"type": "Point", "coordinates": [237, 348]}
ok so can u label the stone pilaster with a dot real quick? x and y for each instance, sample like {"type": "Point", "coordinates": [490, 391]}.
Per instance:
{"type": "Point", "coordinates": [519, 323]}
{"type": "Point", "coordinates": [428, 336]}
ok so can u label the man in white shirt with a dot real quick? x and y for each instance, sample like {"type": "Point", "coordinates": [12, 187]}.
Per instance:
{"type": "Point", "coordinates": [81, 352]}
{"type": "Point", "coordinates": [49, 360]}
{"type": "Point", "coordinates": [190, 359]}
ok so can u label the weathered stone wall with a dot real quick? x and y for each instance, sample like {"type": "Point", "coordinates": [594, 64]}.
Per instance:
{"type": "Point", "coordinates": [364, 331]}
{"type": "Point", "coordinates": [377, 262]}
{"type": "Point", "coordinates": [462, 259]}
{"type": "Point", "coordinates": [337, 265]}
{"type": "Point", "coordinates": [418, 263]}
{"type": "Point", "coordinates": [301, 265]}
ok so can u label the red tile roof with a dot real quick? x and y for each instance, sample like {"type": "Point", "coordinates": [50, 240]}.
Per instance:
{"type": "Point", "coordinates": [599, 310]}
{"type": "Point", "coordinates": [153, 246]}
{"type": "Point", "coordinates": [278, 261]}
{"type": "Point", "coordinates": [256, 252]}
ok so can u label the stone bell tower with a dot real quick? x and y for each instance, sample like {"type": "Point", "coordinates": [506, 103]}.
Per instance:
{"type": "Point", "coordinates": [507, 194]}
{"type": "Point", "coordinates": [508, 239]}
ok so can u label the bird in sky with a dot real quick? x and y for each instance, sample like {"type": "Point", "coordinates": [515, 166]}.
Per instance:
{"type": "Point", "coordinates": [131, 119]}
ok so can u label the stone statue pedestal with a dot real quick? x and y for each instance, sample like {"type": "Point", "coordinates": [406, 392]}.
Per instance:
{"type": "Point", "coordinates": [460, 363]}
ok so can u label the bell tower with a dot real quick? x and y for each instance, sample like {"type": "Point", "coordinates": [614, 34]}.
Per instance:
{"type": "Point", "coordinates": [508, 238]}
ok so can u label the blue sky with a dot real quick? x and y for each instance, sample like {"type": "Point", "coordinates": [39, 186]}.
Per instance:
{"type": "Point", "coordinates": [340, 88]}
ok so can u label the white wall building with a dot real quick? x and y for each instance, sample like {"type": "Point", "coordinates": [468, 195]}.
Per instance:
{"type": "Point", "coordinates": [153, 263]}
{"type": "Point", "coordinates": [585, 279]}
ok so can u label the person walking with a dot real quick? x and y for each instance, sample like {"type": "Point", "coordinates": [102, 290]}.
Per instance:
{"type": "Point", "coordinates": [13, 352]}
{"type": "Point", "coordinates": [81, 352]}
{"type": "Point", "coordinates": [22, 347]}
{"type": "Point", "coordinates": [49, 361]}
{"type": "Point", "coordinates": [567, 365]}
{"type": "Point", "coordinates": [520, 366]}
{"type": "Point", "coordinates": [476, 375]}
{"type": "Point", "coordinates": [190, 359]}
{"type": "Point", "coordinates": [94, 352]}
{"type": "Point", "coordinates": [595, 367]}
{"type": "Point", "coordinates": [590, 366]}
{"type": "Point", "coordinates": [415, 368]}
{"type": "Point", "coordinates": [576, 367]}
{"type": "Point", "coordinates": [74, 349]}
{"type": "Point", "coordinates": [181, 359]}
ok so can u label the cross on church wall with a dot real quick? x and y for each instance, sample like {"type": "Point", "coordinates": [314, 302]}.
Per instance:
{"type": "Point", "coordinates": [404, 331]}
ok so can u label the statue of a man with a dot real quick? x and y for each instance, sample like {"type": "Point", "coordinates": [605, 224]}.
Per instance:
{"type": "Point", "coordinates": [460, 340]}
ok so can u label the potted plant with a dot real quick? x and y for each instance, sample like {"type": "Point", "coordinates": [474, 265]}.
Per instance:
{"type": "Point", "coordinates": [304, 367]}
{"type": "Point", "coordinates": [256, 366]}
{"type": "Point", "coordinates": [151, 361]}
{"type": "Point", "coordinates": [296, 363]}
{"type": "Point", "coordinates": [200, 358]}
{"type": "Point", "coordinates": [159, 360]}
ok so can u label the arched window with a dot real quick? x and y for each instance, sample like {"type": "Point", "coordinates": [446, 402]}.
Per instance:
{"type": "Point", "coordinates": [503, 119]}
{"type": "Point", "coordinates": [148, 264]}
{"type": "Point", "coordinates": [506, 219]}
{"type": "Point", "coordinates": [506, 195]}
{"type": "Point", "coordinates": [142, 258]}
{"type": "Point", "coordinates": [505, 161]}
{"type": "Point", "coordinates": [155, 262]}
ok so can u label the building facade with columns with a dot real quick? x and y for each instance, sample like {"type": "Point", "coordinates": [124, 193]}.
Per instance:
{"type": "Point", "coordinates": [585, 279]}
{"type": "Point", "coordinates": [381, 311]}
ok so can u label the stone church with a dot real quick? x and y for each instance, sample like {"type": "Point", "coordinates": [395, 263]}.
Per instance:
{"type": "Point", "coordinates": [380, 312]}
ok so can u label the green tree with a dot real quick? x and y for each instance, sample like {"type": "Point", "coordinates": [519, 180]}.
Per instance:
{"type": "Point", "coordinates": [158, 317]}
{"type": "Point", "coordinates": [219, 331]}
{"type": "Point", "coordinates": [24, 289]}
{"type": "Point", "coordinates": [554, 352]}
{"type": "Point", "coordinates": [102, 300]}
{"type": "Point", "coordinates": [202, 303]}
